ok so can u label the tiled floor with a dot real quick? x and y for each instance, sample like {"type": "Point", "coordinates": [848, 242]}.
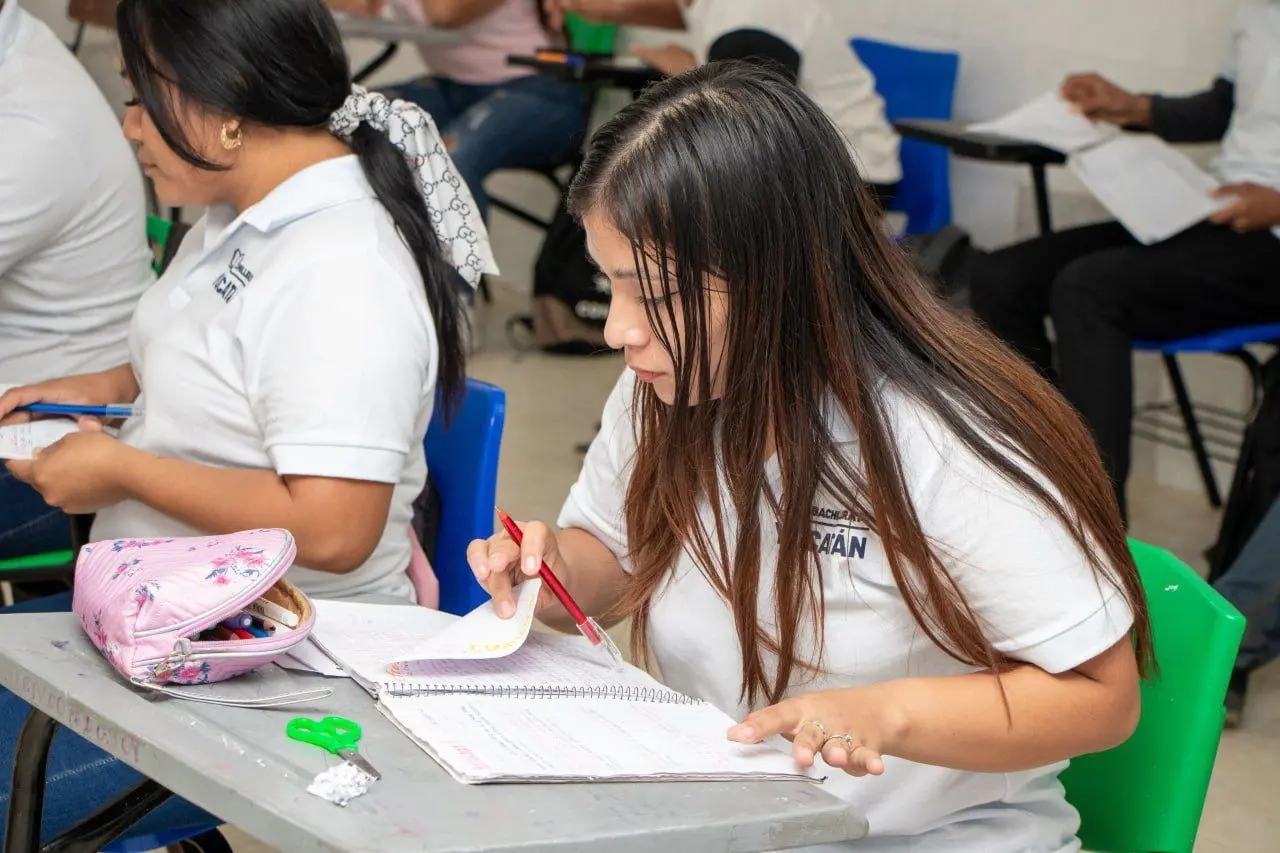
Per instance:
{"type": "Point", "coordinates": [553, 403]}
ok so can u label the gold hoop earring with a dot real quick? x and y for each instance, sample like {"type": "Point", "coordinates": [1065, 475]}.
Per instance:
{"type": "Point", "coordinates": [232, 138]}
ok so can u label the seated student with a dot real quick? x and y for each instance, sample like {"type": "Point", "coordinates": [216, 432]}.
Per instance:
{"type": "Point", "coordinates": [1252, 584]}
{"type": "Point", "coordinates": [493, 115]}
{"type": "Point", "coordinates": [73, 249]}
{"type": "Point", "coordinates": [1103, 290]}
{"type": "Point", "coordinates": [832, 506]}
{"type": "Point", "coordinates": [799, 37]}
{"type": "Point", "coordinates": [288, 360]}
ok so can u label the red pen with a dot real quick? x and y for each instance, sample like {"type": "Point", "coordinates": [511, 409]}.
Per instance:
{"type": "Point", "coordinates": [588, 626]}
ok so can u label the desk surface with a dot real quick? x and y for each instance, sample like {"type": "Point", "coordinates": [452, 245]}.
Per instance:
{"type": "Point", "coordinates": [979, 146]}
{"type": "Point", "coordinates": [390, 30]}
{"type": "Point", "coordinates": [252, 776]}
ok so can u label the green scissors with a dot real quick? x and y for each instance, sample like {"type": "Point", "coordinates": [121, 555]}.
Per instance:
{"type": "Point", "coordinates": [332, 734]}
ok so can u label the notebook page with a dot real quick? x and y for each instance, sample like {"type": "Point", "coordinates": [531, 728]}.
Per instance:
{"type": "Point", "coordinates": [363, 638]}
{"type": "Point", "coordinates": [1153, 190]}
{"type": "Point", "coordinates": [482, 633]}
{"type": "Point", "coordinates": [488, 739]}
{"type": "Point", "coordinates": [1050, 121]}
{"type": "Point", "coordinates": [547, 664]}
{"type": "Point", "coordinates": [20, 441]}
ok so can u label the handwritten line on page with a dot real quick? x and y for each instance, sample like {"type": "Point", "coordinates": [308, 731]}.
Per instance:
{"type": "Point", "coordinates": [482, 739]}
{"type": "Point", "coordinates": [1050, 121]}
{"type": "Point", "coordinates": [20, 441]}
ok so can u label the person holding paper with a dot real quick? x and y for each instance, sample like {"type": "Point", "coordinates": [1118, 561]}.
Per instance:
{"type": "Point", "coordinates": [832, 507]}
{"type": "Point", "coordinates": [1103, 290]}
{"type": "Point", "coordinates": [288, 361]}
{"type": "Point", "coordinates": [73, 249]}
{"type": "Point", "coordinates": [800, 38]}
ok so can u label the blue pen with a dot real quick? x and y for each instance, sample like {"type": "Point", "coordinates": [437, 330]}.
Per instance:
{"type": "Point", "coordinates": [115, 411]}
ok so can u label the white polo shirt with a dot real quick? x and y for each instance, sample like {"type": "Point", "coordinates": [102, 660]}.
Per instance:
{"type": "Point", "coordinates": [73, 251]}
{"type": "Point", "coordinates": [296, 338]}
{"type": "Point", "coordinates": [1251, 148]}
{"type": "Point", "coordinates": [1017, 566]}
{"type": "Point", "coordinates": [830, 72]}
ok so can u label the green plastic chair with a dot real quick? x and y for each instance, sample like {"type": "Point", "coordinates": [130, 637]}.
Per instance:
{"type": "Point", "coordinates": [1146, 795]}
{"type": "Point", "coordinates": [54, 563]}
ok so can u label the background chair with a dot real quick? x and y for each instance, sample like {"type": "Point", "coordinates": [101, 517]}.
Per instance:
{"type": "Point", "coordinates": [1205, 424]}
{"type": "Point", "coordinates": [1146, 795]}
{"type": "Point", "coordinates": [463, 460]}
{"type": "Point", "coordinates": [916, 84]}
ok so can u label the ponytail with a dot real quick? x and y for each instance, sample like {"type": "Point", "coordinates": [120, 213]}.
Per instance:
{"type": "Point", "coordinates": [388, 173]}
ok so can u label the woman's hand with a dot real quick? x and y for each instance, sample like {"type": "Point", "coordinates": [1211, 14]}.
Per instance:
{"type": "Point", "coordinates": [851, 729]}
{"type": "Point", "coordinates": [670, 59]}
{"type": "Point", "coordinates": [500, 564]}
{"type": "Point", "coordinates": [78, 474]}
{"type": "Point", "coordinates": [1099, 99]}
{"type": "Point", "coordinates": [1254, 208]}
{"type": "Point", "coordinates": [87, 389]}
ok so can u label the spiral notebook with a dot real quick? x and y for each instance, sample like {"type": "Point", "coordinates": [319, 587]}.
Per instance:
{"type": "Point", "coordinates": [552, 710]}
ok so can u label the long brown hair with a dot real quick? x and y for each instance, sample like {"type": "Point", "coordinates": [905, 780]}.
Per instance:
{"type": "Point", "coordinates": [732, 173]}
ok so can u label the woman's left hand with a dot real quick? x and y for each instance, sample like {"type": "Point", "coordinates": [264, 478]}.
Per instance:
{"type": "Point", "coordinates": [80, 473]}
{"type": "Point", "coordinates": [850, 728]}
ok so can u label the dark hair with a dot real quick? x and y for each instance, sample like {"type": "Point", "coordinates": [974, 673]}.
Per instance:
{"type": "Point", "coordinates": [732, 172]}
{"type": "Point", "coordinates": [281, 64]}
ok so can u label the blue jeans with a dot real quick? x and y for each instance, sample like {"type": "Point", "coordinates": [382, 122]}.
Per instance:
{"type": "Point", "coordinates": [81, 778]}
{"type": "Point", "coordinates": [531, 122]}
{"type": "Point", "coordinates": [28, 525]}
{"type": "Point", "coordinates": [1252, 584]}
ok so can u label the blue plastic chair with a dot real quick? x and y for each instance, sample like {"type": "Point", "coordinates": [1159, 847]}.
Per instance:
{"type": "Point", "coordinates": [916, 84]}
{"type": "Point", "coordinates": [463, 460]}
{"type": "Point", "coordinates": [1228, 342]}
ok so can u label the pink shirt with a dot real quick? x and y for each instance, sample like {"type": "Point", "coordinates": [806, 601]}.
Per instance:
{"type": "Point", "coordinates": [481, 57]}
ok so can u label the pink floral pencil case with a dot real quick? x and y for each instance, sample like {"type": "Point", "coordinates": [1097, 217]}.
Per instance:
{"type": "Point", "coordinates": [145, 602]}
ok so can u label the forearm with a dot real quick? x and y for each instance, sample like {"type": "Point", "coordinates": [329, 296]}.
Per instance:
{"type": "Point", "coordinates": [224, 500]}
{"type": "Point", "coordinates": [117, 385]}
{"type": "Point", "coordinates": [664, 14]}
{"type": "Point", "coordinates": [449, 14]}
{"type": "Point", "coordinates": [591, 574]}
{"type": "Point", "coordinates": [961, 722]}
{"type": "Point", "coordinates": [1202, 117]}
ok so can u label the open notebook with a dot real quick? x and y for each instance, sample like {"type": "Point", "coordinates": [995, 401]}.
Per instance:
{"type": "Point", "coordinates": [545, 708]}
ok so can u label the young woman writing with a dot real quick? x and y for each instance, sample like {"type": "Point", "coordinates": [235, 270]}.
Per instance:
{"type": "Point", "coordinates": [830, 505]}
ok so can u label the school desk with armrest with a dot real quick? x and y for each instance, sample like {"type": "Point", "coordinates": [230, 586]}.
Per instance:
{"type": "Point", "coordinates": [1146, 795]}
{"type": "Point", "coordinates": [238, 764]}
{"type": "Point", "coordinates": [996, 149]}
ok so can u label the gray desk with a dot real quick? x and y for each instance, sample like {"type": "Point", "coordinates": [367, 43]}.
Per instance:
{"type": "Point", "coordinates": [250, 775]}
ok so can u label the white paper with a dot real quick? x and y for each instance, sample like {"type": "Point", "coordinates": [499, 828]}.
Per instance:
{"type": "Point", "coordinates": [487, 739]}
{"type": "Point", "coordinates": [482, 633]}
{"type": "Point", "coordinates": [308, 657]}
{"type": "Point", "coordinates": [364, 638]}
{"type": "Point", "coordinates": [547, 664]}
{"type": "Point", "coordinates": [1052, 122]}
{"type": "Point", "coordinates": [1153, 190]}
{"type": "Point", "coordinates": [20, 441]}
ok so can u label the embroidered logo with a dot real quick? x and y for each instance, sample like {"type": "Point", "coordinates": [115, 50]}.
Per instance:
{"type": "Point", "coordinates": [236, 278]}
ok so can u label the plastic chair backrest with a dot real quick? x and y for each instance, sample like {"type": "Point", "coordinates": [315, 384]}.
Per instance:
{"type": "Point", "coordinates": [463, 461]}
{"type": "Point", "coordinates": [916, 84]}
{"type": "Point", "coordinates": [586, 37]}
{"type": "Point", "coordinates": [1147, 794]}
{"type": "Point", "coordinates": [158, 236]}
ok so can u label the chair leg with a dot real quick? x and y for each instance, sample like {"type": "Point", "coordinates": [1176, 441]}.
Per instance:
{"type": "Point", "coordinates": [1193, 430]}
{"type": "Point", "coordinates": [26, 791]}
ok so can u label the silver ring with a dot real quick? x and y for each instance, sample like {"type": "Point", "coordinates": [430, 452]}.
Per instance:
{"type": "Point", "coordinates": [847, 740]}
{"type": "Point", "coordinates": [817, 724]}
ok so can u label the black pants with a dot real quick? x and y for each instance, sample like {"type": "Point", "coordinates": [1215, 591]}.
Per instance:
{"type": "Point", "coordinates": [1104, 290]}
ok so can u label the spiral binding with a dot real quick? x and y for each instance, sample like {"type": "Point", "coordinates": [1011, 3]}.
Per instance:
{"type": "Point", "coordinates": [622, 692]}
